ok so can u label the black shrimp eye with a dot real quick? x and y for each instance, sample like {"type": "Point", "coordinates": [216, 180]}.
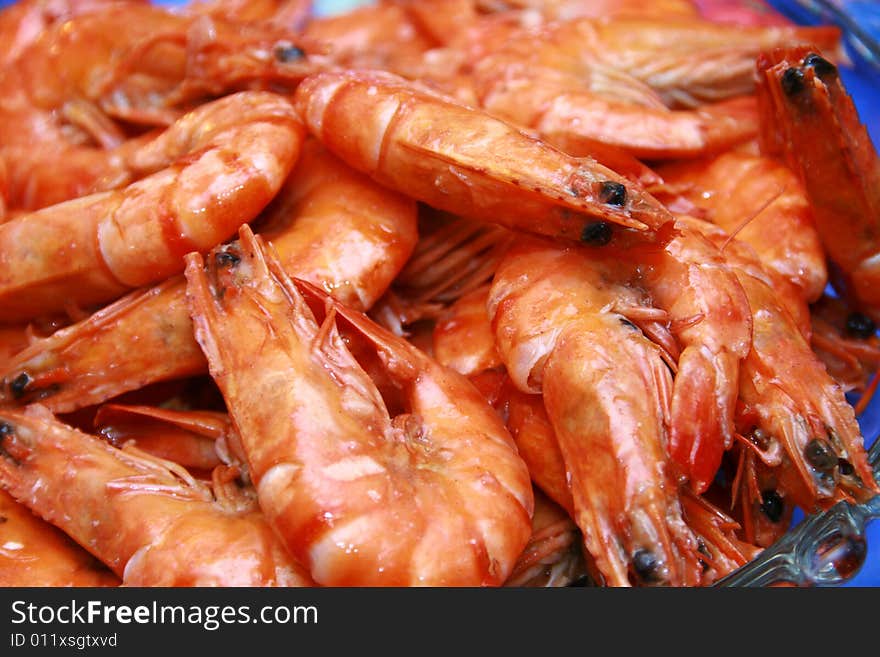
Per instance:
{"type": "Point", "coordinates": [612, 193]}
{"type": "Point", "coordinates": [18, 386]}
{"type": "Point", "coordinates": [226, 259]}
{"type": "Point", "coordinates": [820, 455]}
{"type": "Point", "coordinates": [286, 54]}
{"type": "Point", "coordinates": [645, 564]}
{"type": "Point", "coordinates": [772, 505]}
{"type": "Point", "coordinates": [846, 468]}
{"type": "Point", "coordinates": [859, 325]}
{"type": "Point", "coordinates": [792, 81]}
{"type": "Point", "coordinates": [824, 69]}
{"type": "Point", "coordinates": [597, 233]}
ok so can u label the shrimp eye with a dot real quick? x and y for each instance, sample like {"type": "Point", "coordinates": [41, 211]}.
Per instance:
{"type": "Point", "coordinates": [772, 505]}
{"type": "Point", "coordinates": [6, 429]}
{"type": "Point", "coordinates": [792, 81]}
{"type": "Point", "coordinates": [846, 468]}
{"type": "Point", "coordinates": [226, 259]}
{"type": "Point", "coordinates": [860, 325]}
{"type": "Point", "coordinates": [645, 564]}
{"type": "Point", "coordinates": [597, 233]}
{"type": "Point", "coordinates": [820, 455]}
{"type": "Point", "coordinates": [612, 193]}
{"type": "Point", "coordinates": [18, 385]}
{"type": "Point", "coordinates": [287, 53]}
{"type": "Point", "coordinates": [824, 69]}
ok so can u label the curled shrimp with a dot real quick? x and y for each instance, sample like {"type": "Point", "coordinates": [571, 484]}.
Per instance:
{"type": "Point", "coordinates": [130, 61]}
{"type": "Point", "coordinates": [602, 107]}
{"type": "Point", "coordinates": [607, 390]}
{"type": "Point", "coordinates": [148, 521]}
{"type": "Point", "coordinates": [397, 132]}
{"type": "Point", "coordinates": [34, 553]}
{"type": "Point", "coordinates": [373, 234]}
{"type": "Point", "coordinates": [360, 497]}
{"type": "Point", "coordinates": [214, 169]}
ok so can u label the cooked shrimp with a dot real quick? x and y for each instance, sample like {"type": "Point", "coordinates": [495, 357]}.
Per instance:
{"type": "Point", "coordinates": [34, 553]}
{"type": "Point", "coordinates": [151, 525]}
{"type": "Point", "coordinates": [606, 107]}
{"type": "Point", "coordinates": [764, 204]}
{"type": "Point", "coordinates": [790, 409]}
{"type": "Point", "coordinates": [607, 392]}
{"type": "Point", "coordinates": [720, 550]}
{"type": "Point", "coordinates": [360, 497]}
{"type": "Point", "coordinates": [22, 22]}
{"type": "Point", "coordinates": [330, 225]}
{"type": "Point", "coordinates": [122, 60]}
{"type": "Point", "coordinates": [684, 295]}
{"type": "Point", "coordinates": [214, 169]}
{"type": "Point", "coordinates": [397, 132]}
{"type": "Point", "coordinates": [802, 96]}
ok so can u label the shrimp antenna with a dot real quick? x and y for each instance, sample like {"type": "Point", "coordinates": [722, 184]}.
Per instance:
{"type": "Point", "coordinates": [749, 219]}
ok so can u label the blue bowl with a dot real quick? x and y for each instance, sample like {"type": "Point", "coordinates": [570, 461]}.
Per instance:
{"type": "Point", "coordinates": [862, 80]}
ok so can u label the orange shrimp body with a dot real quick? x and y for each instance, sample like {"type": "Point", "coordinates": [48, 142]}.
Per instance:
{"type": "Point", "coordinates": [360, 497]}
{"type": "Point", "coordinates": [330, 225]}
{"type": "Point", "coordinates": [574, 105]}
{"type": "Point", "coordinates": [397, 133]}
{"type": "Point", "coordinates": [152, 526]}
{"type": "Point", "coordinates": [132, 61]}
{"type": "Point", "coordinates": [34, 553]}
{"type": "Point", "coordinates": [377, 36]}
{"type": "Point", "coordinates": [216, 168]}
{"type": "Point", "coordinates": [691, 61]}
{"type": "Point", "coordinates": [802, 97]}
{"type": "Point", "coordinates": [463, 338]}
{"type": "Point", "coordinates": [787, 399]}
{"type": "Point", "coordinates": [711, 322]}
{"type": "Point", "coordinates": [736, 188]}
{"type": "Point", "coordinates": [607, 394]}
{"type": "Point", "coordinates": [22, 22]}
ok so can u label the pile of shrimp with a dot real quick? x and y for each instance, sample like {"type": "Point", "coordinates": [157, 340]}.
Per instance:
{"type": "Point", "coordinates": [428, 293]}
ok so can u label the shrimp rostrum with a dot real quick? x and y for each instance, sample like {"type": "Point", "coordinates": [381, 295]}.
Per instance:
{"type": "Point", "coordinates": [433, 493]}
